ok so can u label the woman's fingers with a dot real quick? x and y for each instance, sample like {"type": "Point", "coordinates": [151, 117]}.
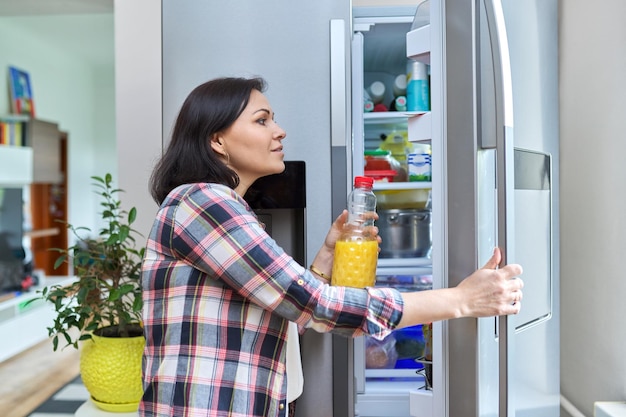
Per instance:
{"type": "Point", "coordinates": [495, 259]}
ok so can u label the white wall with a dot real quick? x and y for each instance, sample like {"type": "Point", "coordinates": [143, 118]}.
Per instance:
{"type": "Point", "coordinates": [71, 92]}
{"type": "Point", "coordinates": [593, 202]}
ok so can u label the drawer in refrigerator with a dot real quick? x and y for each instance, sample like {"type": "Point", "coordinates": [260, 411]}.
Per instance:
{"type": "Point", "coordinates": [399, 355]}
{"type": "Point", "coordinates": [405, 279]}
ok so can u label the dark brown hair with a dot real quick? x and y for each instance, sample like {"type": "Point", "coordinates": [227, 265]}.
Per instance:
{"type": "Point", "coordinates": [210, 108]}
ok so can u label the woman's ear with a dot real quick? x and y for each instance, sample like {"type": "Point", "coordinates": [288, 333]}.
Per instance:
{"type": "Point", "coordinates": [217, 144]}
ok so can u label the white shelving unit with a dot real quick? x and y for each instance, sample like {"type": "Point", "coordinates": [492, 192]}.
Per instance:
{"type": "Point", "coordinates": [17, 166]}
{"type": "Point", "coordinates": [24, 324]}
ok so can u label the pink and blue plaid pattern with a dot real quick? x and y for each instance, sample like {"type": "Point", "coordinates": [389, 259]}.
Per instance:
{"type": "Point", "coordinates": [218, 294]}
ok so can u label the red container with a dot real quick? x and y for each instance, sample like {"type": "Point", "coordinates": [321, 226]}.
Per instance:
{"type": "Point", "coordinates": [386, 175]}
{"type": "Point", "coordinates": [381, 166]}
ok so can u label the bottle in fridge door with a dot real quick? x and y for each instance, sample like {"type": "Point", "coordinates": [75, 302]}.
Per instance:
{"type": "Point", "coordinates": [418, 86]}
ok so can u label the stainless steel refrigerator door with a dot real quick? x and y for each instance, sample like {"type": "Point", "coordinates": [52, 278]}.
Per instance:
{"type": "Point", "coordinates": [532, 29]}
{"type": "Point", "coordinates": [302, 51]}
{"type": "Point", "coordinates": [506, 196]}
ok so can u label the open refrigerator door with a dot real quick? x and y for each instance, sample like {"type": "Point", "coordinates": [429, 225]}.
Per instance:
{"type": "Point", "coordinates": [392, 144]}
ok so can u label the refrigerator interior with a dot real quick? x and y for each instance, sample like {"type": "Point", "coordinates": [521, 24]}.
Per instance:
{"type": "Point", "coordinates": [385, 371]}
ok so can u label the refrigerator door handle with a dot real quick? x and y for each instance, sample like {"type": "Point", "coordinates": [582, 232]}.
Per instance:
{"type": "Point", "coordinates": [502, 141]}
{"type": "Point", "coordinates": [502, 84]}
{"type": "Point", "coordinates": [338, 88]}
{"type": "Point", "coordinates": [341, 156]}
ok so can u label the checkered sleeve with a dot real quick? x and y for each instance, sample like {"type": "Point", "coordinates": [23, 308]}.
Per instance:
{"type": "Point", "coordinates": [217, 233]}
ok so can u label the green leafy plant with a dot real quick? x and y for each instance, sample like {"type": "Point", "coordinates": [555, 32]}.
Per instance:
{"type": "Point", "coordinates": [106, 297]}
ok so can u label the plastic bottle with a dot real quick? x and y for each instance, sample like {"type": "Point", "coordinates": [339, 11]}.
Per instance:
{"type": "Point", "coordinates": [368, 104]}
{"type": "Point", "coordinates": [398, 104]}
{"type": "Point", "coordinates": [356, 250]}
{"type": "Point", "coordinates": [399, 85]}
{"type": "Point", "coordinates": [376, 91]}
{"type": "Point", "coordinates": [418, 88]}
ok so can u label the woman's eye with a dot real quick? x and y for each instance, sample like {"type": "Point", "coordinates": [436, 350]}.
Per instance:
{"type": "Point", "coordinates": [262, 121]}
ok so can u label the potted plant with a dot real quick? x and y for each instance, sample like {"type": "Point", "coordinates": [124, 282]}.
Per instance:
{"type": "Point", "coordinates": [100, 312]}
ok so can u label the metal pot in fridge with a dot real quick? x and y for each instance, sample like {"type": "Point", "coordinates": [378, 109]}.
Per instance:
{"type": "Point", "coordinates": [405, 233]}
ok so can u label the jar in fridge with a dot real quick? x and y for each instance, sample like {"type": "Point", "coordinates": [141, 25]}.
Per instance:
{"type": "Point", "coordinates": [382, 160]}
{"type": "Point", "coordinates": [419, 164]}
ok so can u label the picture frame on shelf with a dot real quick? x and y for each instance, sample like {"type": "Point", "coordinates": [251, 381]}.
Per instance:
{"type": "Point", "coordinates": [22, 100]}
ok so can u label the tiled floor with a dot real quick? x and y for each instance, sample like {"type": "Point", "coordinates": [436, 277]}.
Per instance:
{"type": "Point", "coordinates": [65, 402]}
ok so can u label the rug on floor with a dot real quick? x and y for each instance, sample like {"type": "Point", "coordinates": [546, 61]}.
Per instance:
{"type": "Point", "coordinates": [64, 402]}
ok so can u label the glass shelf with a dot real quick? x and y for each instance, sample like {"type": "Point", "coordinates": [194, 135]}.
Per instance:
{"type": "Point", "coordinates": [391, 117]}
{"type": "Point", "coordinates": [413, 185]}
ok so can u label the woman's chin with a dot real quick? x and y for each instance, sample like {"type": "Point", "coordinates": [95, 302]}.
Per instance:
{"type": "Point", "coordinates": [280, 168]}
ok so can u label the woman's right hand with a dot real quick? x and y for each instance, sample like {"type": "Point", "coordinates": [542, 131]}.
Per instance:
{"type": "Point", "coordinates": [492, 292]}
{"type": "Point", "coordinates": [489, 291]}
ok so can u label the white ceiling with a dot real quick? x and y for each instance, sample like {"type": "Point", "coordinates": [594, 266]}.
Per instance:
{"type": "Point", "coordinates": [82, 27]}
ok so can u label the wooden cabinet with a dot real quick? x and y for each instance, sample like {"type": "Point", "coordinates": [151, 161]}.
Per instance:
{"type": "Point", "coordinates": [45, 138]}
{"type": "Point", "coordinates": [20, 137]}
{"type": "Point", "coordinates": [48, 208]}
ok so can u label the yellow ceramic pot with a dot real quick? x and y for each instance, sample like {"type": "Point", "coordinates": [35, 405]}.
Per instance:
{"type": "Point", "coordinates": [110, 368]}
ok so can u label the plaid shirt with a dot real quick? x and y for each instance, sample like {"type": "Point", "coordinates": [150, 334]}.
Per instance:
{"type": "Point", "coordinates": [218, 295]}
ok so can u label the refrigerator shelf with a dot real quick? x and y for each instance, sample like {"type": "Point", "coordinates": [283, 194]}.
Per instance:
{"type": "Point", "coordinates": [390, 117]}
{"type": "Point", "coordinates": [397, 373]}
{"type": "Point", "coordinates": [414, 185]}
{"type": "Point", "coordinates": [418, 44]}
{"type": "Point", "coordinates": [386, 265]}
{"type": "Point", "coordinates": [420, 127]}
{"type": "Point", "coordinates": [393, 386]}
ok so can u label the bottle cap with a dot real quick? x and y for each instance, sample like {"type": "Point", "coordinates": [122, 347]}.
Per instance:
{"type": "Point", "coordinates": [363, 182]}
{"type": "Point", "coordinates": [399, 85]}
{"type": "Point", "coordinates": [376, 91]}
{"type": "Point", "coordinates": [400, 103]}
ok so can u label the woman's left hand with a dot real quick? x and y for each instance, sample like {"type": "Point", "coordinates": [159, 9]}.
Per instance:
{"type": "Point", "coordinates": [323, 261]}
{"type": "Point", "coordinates": [337, 227]}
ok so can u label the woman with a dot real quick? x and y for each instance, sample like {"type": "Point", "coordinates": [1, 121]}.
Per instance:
{"type": "Point", "coordinates": [218, 291]}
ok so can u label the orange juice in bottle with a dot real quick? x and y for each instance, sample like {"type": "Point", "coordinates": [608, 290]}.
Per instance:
{"type": "Point", "coordinates": [356, 251]}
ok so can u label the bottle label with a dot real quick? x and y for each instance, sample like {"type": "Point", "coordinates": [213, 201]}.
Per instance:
{"type": "Point", "coordinates": [419, 167]}
{"type": "Point", "coordinates": [418, 95]}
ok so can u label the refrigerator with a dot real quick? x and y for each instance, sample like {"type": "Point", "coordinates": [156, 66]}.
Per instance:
{"type": "Point", "coordinates": [492, 127]}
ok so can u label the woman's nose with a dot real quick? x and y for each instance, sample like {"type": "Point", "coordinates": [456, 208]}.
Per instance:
{"type": "Point", "coordinates": [280, 133]}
